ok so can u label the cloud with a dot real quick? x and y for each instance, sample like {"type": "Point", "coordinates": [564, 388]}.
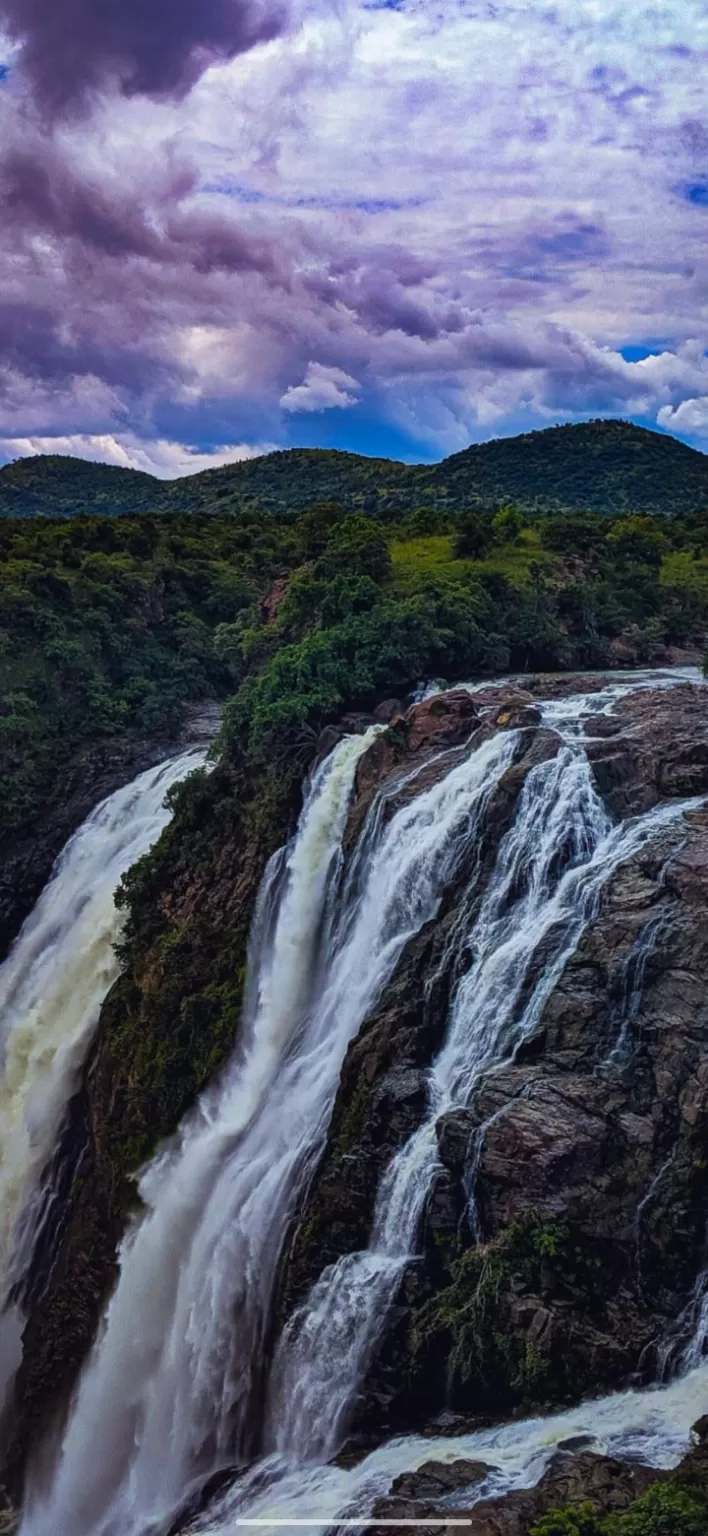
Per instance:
{"type": "Point", "coordinates": [166, 460]}
{"type": "Point", "coordinates": [322, 389]}
{"type": "Point", "coordinates": [72, 49]}
{"type": "Point", "coordinates": [691, 417]}
{"type": "Point", "coordinates": [449, 204]}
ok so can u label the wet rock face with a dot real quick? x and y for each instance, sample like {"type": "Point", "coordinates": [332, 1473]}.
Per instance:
{"type": "Point", "coordinates": [609, 1485]}
{"type": "Point", "coordinates": [26, 862]}
{"type": "Point", "coordinates": [589, 1147]}
{"type": "Point", "coordinates": [587, 1150]}
{"type": "Point", "coordinates": [166, 1027]}
{"type": "Point", "coordinates": [421, 738]}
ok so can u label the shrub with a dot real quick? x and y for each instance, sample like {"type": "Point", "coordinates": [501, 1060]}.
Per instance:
{"type": "Point", "coordinates": [576, 1520]}
{"type": "Point", "coordinates": [666, 1510]}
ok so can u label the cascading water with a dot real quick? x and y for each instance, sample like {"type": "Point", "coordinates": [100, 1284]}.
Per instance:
{"type": "Point", "coordinates": [651, 1426]}
{"type": "Point", "coordinates": [173, 1390]}
{"type": "Point", "coordinates": [550, 871]}
{"type": "Point", "coordinates": [166, 1398]}
{"type": "Point", "coordinates": [51, 989]}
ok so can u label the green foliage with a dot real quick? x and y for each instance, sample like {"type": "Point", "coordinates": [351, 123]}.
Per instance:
{"type": "Point", "coordinates": [637, 541]}
{"type": "Point", "coordinates": [387, 648]}
{"type": "Point", "coordinates": [428, 520]}
{"type": "Point", "coordinates": [109, 625]}
{"type": "Point", "coordinates": [58, 486]}
{"type": "Point", "coordinates": [107, 628]}
{"type": "Point", "coordinates": [475, 536]}
{"type": "Point", "coordinates": [315, 527]}
{"type": "Point", "coordinates": [667, 1509]}
{"type": "Point", "coordinates": [608, 467]}
{"type": "Point", "coordinates": [466, 1324]}
{"type": "Point", "coordinates": [356, 547]}
{"type": "Point", "coordinates": [575, 1520]}
{"type": "Point", "coordinates": [508, 525]}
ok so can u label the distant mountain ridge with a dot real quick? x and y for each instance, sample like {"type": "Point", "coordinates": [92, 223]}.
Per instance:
{"type": "Point", "coordinates": [602, 466]}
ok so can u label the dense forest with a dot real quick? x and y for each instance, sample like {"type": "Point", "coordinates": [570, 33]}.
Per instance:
{"type": "Point", "coordinates": [598, 466]}
{"type": "Point", "coordinates": [109, 626]}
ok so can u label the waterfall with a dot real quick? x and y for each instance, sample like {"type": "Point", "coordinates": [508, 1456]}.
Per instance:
{"type": "Point", "coordinates": [51, 989]}
{"type": "Point", "coordinates": [550, 871]}
{"type": "Point", "coordinates": [651, 1426]}
{"type": "Point", "coordinates": [169, 1393]}
{"type": "Point", "coordinates": [178, 1386]}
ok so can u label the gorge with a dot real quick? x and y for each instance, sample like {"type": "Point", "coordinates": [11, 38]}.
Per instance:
{"type": "Point", "coordinates": [423, 1159]}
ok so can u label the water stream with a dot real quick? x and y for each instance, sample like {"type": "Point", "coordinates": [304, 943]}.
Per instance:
{"type": "Point", "coordinates": [51, 989]}
{"type": "Point", "coordinates": [178, 1385]}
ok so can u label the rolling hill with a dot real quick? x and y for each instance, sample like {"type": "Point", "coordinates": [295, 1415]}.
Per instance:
{"type": "Point", "coordinates": [53, 485]}
{"type": "Point", "coordinates": [601, 466]}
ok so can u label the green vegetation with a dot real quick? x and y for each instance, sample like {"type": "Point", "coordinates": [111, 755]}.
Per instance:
{"type": "Point", "coordinates": [666, 1510]}
{"type": "Point", "coordinates": [610, 467]}
{"type": "Point", "coordinates": [574, 1520]}
{"type": "Point", "coordinates": [108, 627]}
{"type": "Point", "coordinates": [52, 485]}
{"type": "Point", "coordinates": [466, 1326]}
{"type": "Point", "coordinates": [602, 466]}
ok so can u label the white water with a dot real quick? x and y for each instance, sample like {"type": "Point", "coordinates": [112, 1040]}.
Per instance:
{"type": "Point", "coordinates": [174, 1381]}
{"type": "Point", "coordinates": [531, 905]}
{"type": "Point", "coordinates": [51, 989]}
{"type": "Point", "coordinates": [167, 1395]}
{"type": "Point", "coordinates": [652, 1426]}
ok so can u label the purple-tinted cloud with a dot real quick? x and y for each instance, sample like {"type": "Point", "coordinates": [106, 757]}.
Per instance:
{"type": "Point", "coordinates": [71, 49]}
{"type": "Point", "coordinates": [447, 218]}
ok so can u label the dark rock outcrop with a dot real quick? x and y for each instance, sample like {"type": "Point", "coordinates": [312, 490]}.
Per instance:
{"type": "Point", "coordinates": [166, 1027]}
{"type": "Point", "coordinates": [609, 1485]}
{"type": "Point", "coordinates": [590, 1143]}
{"type": "Point", "coordinates": [26, 861]}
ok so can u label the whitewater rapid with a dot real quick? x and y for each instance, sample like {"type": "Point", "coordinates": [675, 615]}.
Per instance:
{"type": "Point", "coordinates": [52, 985]}
{"type": "Point", "coordinates": [175, 1386]}
{"type": "Point", "coordinates": [276, 1495]}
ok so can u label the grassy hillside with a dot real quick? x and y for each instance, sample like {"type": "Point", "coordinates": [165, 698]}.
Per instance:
{"type": "Point", "coordinates": [417, 562]}
{"type": "Point", "coordinates": [610, 467]}
{"type": "Point", "coordinates": [597, 466]}
{"type": "Point", "coordinates": [291, 480]}
{"type": "Point", "coordinates": [53, 485]}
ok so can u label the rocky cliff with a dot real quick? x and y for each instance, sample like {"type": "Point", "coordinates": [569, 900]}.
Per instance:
{"type": "Point", "coordinates": [568, 1271]}
{"type": "Point", "coordinates": [97, 770]}
{"type": "Point", "coordinates": [588, 1145]}
{"type": "Point", "coordinates": [165, 1029]}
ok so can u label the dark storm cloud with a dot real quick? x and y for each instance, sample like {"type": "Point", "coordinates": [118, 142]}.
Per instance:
{"type": "Point", "coordinates": [72, 49]}
{"type": "Point", "coordinates": [43, 191]}
{"type": "Point", "coordinates": [288, 226]}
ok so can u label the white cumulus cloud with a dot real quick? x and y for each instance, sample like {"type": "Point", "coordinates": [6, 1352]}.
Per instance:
{"type": "Point", "coordinates": [691, 416]}
{"type": "Point", "coordinates": [322, 389]}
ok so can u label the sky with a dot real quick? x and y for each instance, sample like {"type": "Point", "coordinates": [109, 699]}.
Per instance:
{"type": "Point", "coordinates": [229, 226]}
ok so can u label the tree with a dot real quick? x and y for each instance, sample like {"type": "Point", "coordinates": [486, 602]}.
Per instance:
{"type": "Point", "coordinates": [357, 547]}
{"type": "Point", "coordinates": [638, 541]}
{"type": "Point", "coordinates": [475, 536]}
{"type": "Point", "coordinates": [313, 529]}
{"type": "Point", "coordinates": [508, 525]}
